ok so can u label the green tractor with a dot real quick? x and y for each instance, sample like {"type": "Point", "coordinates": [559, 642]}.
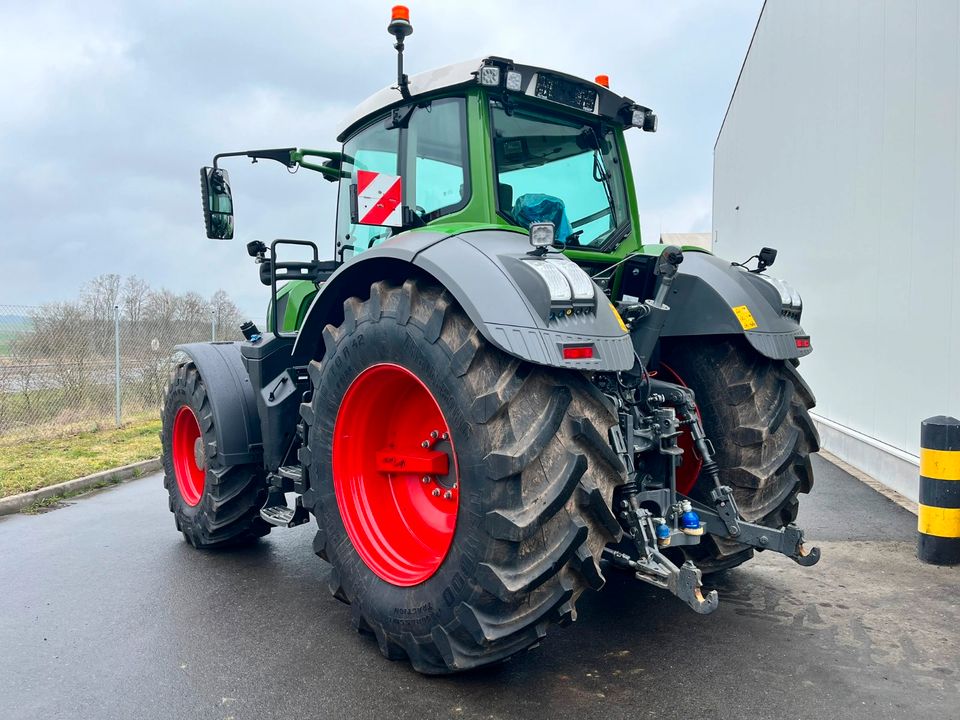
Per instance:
{"type": "Point", "coordinates": [496, 394]}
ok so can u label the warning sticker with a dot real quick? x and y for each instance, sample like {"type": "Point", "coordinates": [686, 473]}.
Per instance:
{"type": "Point", "coordinates": [378, 199]}
{"type": "Point", "coordinates": [619, 319]}
{"type": "Point", "coordinates": [745, 317]}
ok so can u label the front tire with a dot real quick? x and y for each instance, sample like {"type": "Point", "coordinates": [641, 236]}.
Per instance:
{"type": "Point", "coordinates": [213, 505]}
{"type": "Point", "coordinates": [532, 490]}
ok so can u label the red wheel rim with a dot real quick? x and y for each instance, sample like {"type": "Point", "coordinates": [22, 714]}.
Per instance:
{"type": "Point", "coordinates": [188, 457]}
{"type": "Point", "coordinates": [689, 470]}
{"type": "Point", "coordinates": [395, 474]}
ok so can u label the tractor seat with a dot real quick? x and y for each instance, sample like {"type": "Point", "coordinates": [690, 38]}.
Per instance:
{"type": "Point", "coordinates": [539, 207]}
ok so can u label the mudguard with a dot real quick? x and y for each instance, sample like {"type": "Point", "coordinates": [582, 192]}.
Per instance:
{"type": "Point", "coordinates": [232, 400]}
{"type": "Point", "coordinates": [484, 271]}
{"type": "Point", "coordinates": [705, 294]}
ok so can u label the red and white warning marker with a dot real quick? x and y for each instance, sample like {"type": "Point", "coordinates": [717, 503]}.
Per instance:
{"type": "Point", "coordinates": [378, 199]}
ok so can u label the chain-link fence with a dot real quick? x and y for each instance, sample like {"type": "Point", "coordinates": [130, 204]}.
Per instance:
{"type": "Point", "coordinates": [68, 363]}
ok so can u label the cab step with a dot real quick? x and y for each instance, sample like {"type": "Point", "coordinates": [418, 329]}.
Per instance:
{"type": "Point", "coordinates": [283, 516]}
{"type": "Point", "coordinates": [293, 473]}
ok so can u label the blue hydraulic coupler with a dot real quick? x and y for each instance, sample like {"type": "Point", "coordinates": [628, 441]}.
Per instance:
{"type": "Point", "coordinates": [690, 520]}
{"type": "Point", "coordinates": [663, 534]}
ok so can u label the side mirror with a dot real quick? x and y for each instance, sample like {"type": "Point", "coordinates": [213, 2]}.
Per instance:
{"type": "Point", "coordinates": [217, 203]}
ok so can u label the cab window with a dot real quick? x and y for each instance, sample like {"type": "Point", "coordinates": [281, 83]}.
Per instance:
{"type": "Point", "coordinates": [436, 142]}
{"type": "Point", "coordinates": [559, 170]}
{"type": "Point", "coordinates": [429, 152]}
{"type": "Point", "coordinates": [376, 148]}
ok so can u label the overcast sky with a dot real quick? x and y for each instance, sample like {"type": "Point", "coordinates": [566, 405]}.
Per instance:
{"type": "Point", "coordinates": [109, 109]}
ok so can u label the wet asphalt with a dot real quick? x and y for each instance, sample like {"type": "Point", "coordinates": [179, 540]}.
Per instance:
{"type": "Point", "coordinates": [106, 613]}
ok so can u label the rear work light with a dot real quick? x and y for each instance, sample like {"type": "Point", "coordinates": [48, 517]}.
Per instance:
{"type": "Point", "coordinates": [803, 343]}
{"type": "Point", "coordinates": [578, 352]}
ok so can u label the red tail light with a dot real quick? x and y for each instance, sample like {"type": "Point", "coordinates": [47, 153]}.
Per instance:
{"type": "Point", "coordinates": [578, 352]}
{"type": "Point", "coordinates": [803, 343]}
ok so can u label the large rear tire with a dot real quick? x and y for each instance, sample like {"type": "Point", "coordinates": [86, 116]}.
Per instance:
{"type": "Point", "coordinates": [756, 412]}
{"type": "Point", "coordinates": [529, 506]}
{"type": "Point", "coordinates": [213, 505]}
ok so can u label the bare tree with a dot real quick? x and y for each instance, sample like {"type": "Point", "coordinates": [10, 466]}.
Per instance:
{"type": "Point", "coordinates": [227, 314]}
{"type": "Point", "coordinates": [62, 337]}
{"type": "Point", "coordinates": [133, 298]}
{"type": "Point", "coordinates": [99, 297]}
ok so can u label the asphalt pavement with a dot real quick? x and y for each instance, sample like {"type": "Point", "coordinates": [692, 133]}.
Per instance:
{"type": "Point", "coordinates": [106, 613]}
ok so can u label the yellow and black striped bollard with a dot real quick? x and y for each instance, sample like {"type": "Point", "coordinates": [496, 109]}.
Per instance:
{"type": "Point", "coordinates": [939, 519]}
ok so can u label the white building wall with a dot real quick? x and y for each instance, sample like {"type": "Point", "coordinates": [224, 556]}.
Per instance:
{"type": "Point", "coordinates": [841, 148]}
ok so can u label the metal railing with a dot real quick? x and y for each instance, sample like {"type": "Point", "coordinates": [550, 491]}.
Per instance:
{"type": "Point", "coordinates": [65, 363]}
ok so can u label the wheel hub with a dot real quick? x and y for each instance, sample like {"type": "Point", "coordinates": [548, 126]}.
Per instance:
{"type": "Point", "coordinates": [395, 474]}
{"type": "Point", "coordinates": [198, 455]}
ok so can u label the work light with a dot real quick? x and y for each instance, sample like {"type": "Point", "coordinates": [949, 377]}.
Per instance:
{"type": "Point", "coordinates": [790, 299]}
{"type": "Point", "coordinates": [514, 80]}
{"type": "Point", "coordinates": [542, 234]}
{"type": "Point", "coordinates": [580, 282]}
{"type": "Point", "coordinates": [490, 75]}
{"type": "Point", "coordinates": [555, 280]}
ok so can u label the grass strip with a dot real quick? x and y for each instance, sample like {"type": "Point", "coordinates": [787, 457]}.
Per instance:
{"type": "Point", "coordinates": [30, 464]}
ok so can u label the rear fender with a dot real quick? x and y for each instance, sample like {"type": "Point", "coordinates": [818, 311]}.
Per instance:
{"type": "Point", "coordinates": [483, 271]}
{"type": "Point", "coordinates": [703, 298]}
{"type": "Point", "coordinates": [232, 400]}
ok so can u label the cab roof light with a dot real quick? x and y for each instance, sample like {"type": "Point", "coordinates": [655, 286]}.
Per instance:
{"type": "Point", "coordinates": [489, 75]}
{"type": "Point", "coordinates": [514, 80]}
{"type": "Point", "coordinates": [642, 118]}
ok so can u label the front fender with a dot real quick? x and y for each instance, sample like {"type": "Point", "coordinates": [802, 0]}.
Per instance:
{"type": "Point", "coordinates": [232, 400]}
{"type": "Point", "coordinates": [708, 289]}
{"type": "Point", "coordinates": [483, 271]}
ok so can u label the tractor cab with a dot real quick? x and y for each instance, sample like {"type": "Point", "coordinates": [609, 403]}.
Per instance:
{"type": "Point", "coordinates": [486, 141]}
{"type": "Point", "coordinates": [495, 142]}
{"type": "Point", "coordinates": [481, 144]}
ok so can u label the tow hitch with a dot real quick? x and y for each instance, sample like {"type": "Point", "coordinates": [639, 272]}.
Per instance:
{"type": "Point", "coordinates": [653, 414]}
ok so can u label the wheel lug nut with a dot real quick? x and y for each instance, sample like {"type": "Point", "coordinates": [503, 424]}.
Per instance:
{"type": "Point", "coordinates": [434, 434]}
{"type": "Point", "coordinates": [436, 492]}
{"type": "Point", "coordinates": [425, 443]}
{"type": "Point", "coordinates": [447, 495]}
{"type": "Point", "coordinates": [425, 480]}
{"type": "Point", "coordinates": [445, 436]}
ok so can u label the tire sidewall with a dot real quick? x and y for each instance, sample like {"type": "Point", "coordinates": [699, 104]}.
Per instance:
{"type": "Point", "coordinates": [418, 608]}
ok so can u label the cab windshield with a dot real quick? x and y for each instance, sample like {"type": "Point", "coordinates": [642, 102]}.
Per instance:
{"type": "Point", "coordinates": [562, 171]}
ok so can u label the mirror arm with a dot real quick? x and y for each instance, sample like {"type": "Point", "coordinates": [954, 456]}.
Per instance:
{"type": "Point", "coordinates": [293, 157]}
{"type": "Point", "coordinates": [281, 155]}
{"type": "Point", "coordinates": [331, 170]}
